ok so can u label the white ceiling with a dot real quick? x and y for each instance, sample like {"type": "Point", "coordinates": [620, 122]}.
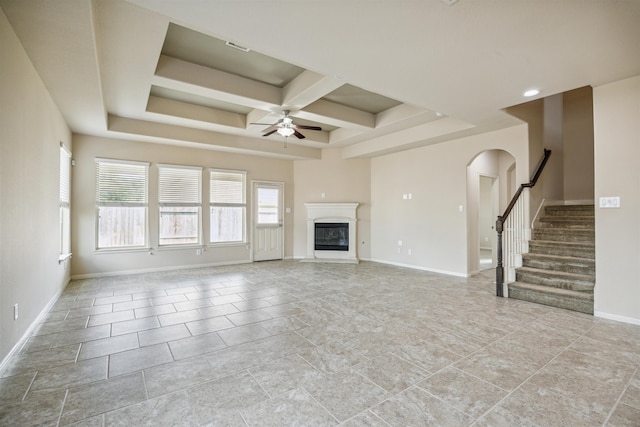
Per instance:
{"type": "Point", "coordinates": [378, 76]}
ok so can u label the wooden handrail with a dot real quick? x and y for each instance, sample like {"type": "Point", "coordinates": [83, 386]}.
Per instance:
{"type": "Point", "coordinates": [501, 219]}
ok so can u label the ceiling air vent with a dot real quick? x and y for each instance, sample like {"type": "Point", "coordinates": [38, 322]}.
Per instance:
{"type": "Point", "coordinates": [235, 46]}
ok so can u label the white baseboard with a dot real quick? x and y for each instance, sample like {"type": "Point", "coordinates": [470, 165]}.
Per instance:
{"type": "Point", "coordinates": [155, 270]}
{"type": "Point", "coordinates": [21, 342]}
{"type": "Point", "coordinates": [418, 267]}
{"type": "Point", "coordinates": [616, 317]}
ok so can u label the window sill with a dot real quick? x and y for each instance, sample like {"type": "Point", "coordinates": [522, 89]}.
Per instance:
{"type": "Point", "coordinates": [63, 257]}
{"type": "Point", "coordinates": [178, 247]}
{"type": "Point", "coordinates": [120, 250]}
{"type": "Point", "coordinates": [227, 244]}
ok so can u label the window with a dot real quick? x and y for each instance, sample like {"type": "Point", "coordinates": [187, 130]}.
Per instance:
{"type": "Point", "coordinates": [179, 200]}
{"type": "Point", "coordinates": [228, 206]}
{"type": "Point", "coordinates": [121, 203]}
{"type": "Point", "coordinates": [268, 205]}
{"type": "Point", "coordinates": [65, 202]}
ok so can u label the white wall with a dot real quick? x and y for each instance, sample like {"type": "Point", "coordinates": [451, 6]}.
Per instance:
{"type": "Point", "coordinates": [341, 181]}
{"type": "Point", "coordinates": [31, 131]}
{"type": "Point", "coordinates": [430, 224]}
{"type": "Point", "coordinates": [88, 262]}
{"type": "Point", "coordinates": [616, 108]}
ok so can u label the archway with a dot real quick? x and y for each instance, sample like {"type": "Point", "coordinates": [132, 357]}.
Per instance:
{"type": "Point", "coordinates": [490, 176]}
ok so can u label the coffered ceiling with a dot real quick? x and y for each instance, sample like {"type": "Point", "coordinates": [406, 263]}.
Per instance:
{"type": "Point", "coordinates": [377, 76]}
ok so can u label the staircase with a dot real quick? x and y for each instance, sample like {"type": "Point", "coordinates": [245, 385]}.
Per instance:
{"type": "Point", "coordinates": [559, 269]}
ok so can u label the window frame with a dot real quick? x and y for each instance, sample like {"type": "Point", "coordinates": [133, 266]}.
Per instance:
{"type": "Point", "coordinates": [145, 246]}
{"type": "Point", "coordinates": [243, 205]}
{"type": "Point", "coordinates": [197, 204]}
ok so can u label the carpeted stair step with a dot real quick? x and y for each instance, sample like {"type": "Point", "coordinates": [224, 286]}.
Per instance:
{"type": "Point", "coordinates": [564, 234]}
{"type": "Point", "coordinates": [567, 264]}
{"type": "Point", "coordinates": [586, 222]}
{"type": "Point", "coordinates": [556, 279]}
{"type": "Point", "coordinates": [559, 269]}
{"type": "Point", "coordinates": [556, 297]}
{"type": "Point", "coordinates": [570, 210]}
{"type": "Point", "coordinates": [572, 249]}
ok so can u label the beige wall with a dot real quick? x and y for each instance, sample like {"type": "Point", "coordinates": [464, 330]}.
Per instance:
{"type": "Point", "coordinates": [553, 176]}
{"type": "Point", "coordinates": [430, 224]}
{"type": "Point", "coordinates": [577, 139]}
{"type": "Point", "coordinates": [533, 114]}
{"type": "Point", "coordinates": [31, 129]}
{"type": "Point", "coordinates": [562, 123]}
{"type": "Point", "coordinates": [87, 262]}
{"type": "Point", "coordinates": [616, 108]}
{"type": "Point", "coordinates": [341, 180]}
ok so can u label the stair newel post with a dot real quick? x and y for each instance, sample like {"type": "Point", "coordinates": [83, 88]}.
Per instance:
{"type": "Point", "coordinates": [499, 267]}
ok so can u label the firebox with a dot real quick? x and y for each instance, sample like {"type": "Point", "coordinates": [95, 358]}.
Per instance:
{"type": "Point", "coordinates": [331, 236]}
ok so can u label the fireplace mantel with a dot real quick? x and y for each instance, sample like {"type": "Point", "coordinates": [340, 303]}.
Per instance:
{"type": "Point", "coordinates": [331, 212]}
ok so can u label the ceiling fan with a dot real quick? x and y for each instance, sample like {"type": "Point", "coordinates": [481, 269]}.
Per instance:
{"type": "Point", "coordinates": [286, 127]}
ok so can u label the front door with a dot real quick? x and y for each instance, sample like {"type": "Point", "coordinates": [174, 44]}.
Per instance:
{"type": "Point", "coordinates": [268, 233]}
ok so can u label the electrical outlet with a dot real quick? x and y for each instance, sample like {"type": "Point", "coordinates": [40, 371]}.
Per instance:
{"type": "Point", "coordinates": [15, 311]}
{"type": "Point", "coordinates": [409, 252]}
{"type": "Point", "coordinates": [198, 251]}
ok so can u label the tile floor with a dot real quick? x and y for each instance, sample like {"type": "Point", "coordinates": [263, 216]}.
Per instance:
{"type": "Point", "coordinates": [289, 343]}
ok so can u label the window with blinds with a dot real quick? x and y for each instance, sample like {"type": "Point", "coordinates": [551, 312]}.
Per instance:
{"type": "Point", "coordinates": [65, 202]}
{"type": "Point", "coordinates": [179, 201]}
{"type": "Point", "coordinates": [121, 203]}
{"type": "Point", "coordinates": [228, 206]}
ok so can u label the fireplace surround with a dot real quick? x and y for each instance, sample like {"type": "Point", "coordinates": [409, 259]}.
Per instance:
{"type": "Point", "coordinates": [335, 226]}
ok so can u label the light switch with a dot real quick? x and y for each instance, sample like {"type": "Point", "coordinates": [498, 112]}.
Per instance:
{"type": "Point", "coordinates": [610, 202]}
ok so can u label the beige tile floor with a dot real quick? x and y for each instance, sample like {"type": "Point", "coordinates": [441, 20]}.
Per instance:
{"type": "Point", "coordinates": [289, 343]}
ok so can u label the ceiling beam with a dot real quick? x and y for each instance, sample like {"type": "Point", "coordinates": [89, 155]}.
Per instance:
{"type": "Point", "coordinates": [337, 115]}
{"type": "Point", "coordinates": [200, 138]}
{"type": "Point", "coordinates": [306, 88]}
{"type": "Point", "coordinates": [407, 138]}
{"type": "Point", "coordinates": [203, 81]}
{"type": "Point", "coordinates": [185, 110]}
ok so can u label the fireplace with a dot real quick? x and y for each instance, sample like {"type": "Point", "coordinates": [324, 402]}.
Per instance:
{"type": "Point", "coordinates": [331, 236]}
{"type": "Point", "coordinates": [331, 232]}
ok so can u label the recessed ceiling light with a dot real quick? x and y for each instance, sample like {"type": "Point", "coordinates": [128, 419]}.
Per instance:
{"type": "Point", "coordinates": [531, 92]}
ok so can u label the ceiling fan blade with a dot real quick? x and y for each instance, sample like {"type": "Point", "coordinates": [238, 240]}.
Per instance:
{"type": "Point", "coordinates": [269, 133]}
{"type": "Point", "coordinates": [298, 134]}
{"type": "Point", "coordinates": [264, 124]}
{"type": "Point", "coordinates": [308, 127]}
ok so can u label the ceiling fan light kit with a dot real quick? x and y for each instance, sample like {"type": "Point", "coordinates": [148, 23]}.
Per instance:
{"type": "Point", "coordinates": [285, 131]}
{"type": "Point", "coordinates": [286, 127]}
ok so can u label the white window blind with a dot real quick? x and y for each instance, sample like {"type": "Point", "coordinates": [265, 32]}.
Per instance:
{"type": "Point", "coordinates": [121, 183]}
{"type": "Point", "coordinates": [121, 204]}
{"type": "Point", "coordinates": [65, 203]}
{"type": "Point", "coordinates": [228, 207]}
{"type": "Point", "coordinates": [227, 187]}
{"type": "Point", "coordinates": [179, 185]}
{"type": "Point", "coordinates": [179, 199]}
{"type": "Point", "coordinates": [65, 177]}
